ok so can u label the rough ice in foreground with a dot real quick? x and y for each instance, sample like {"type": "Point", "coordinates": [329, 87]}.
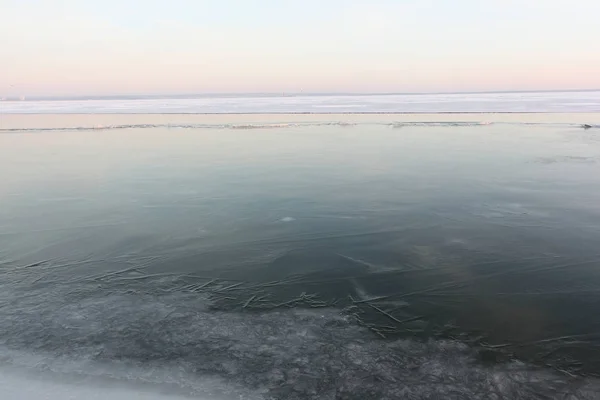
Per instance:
{"type": "Point", "coordinates": [292, 354]}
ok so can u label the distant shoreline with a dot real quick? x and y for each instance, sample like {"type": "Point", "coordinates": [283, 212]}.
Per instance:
{"type": "Point", "coordinates": [16, 98]}
{"type": "Point", "coordinates": [310, 113]}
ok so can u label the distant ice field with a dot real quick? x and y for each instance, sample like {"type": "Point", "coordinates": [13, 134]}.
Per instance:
{"type": "Point", "coordinates": [547, 102]}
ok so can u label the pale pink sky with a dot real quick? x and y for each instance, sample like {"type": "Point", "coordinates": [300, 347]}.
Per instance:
{"type": "Point", "coordinates": [183, 46]}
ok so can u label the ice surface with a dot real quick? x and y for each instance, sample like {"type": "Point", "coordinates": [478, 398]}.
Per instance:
{"type": "Point", "coordinates": [422, 103]}
{"type": "Point", "coordinates": [83, 327]}
{"type": "Point", "coordinates": [176, 342]}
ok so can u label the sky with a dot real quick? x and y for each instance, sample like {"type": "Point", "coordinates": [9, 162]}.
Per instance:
{"type": "Point", "coordinates": [104, 47]}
